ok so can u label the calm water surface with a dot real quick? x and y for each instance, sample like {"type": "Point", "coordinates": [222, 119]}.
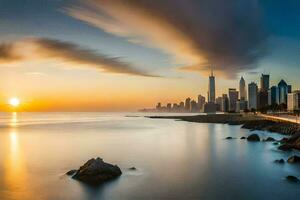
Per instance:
{"type": "Point", "coordinates": [175, 159]}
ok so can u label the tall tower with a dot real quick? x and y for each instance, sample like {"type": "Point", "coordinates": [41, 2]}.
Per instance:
{"type": "Point", "coordinates": [211, 88]}
{"type": "Point", "coordinates": [252, 95]}
{"type": "Point", "coordinates": [264, 82]}
{"type": "Point", "coordinates": [242, 89]}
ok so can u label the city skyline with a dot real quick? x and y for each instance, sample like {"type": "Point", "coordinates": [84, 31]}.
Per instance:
{"type": "Point", "coordinates": [74, 55]}
{"type": "Point", "coordinates": [259, 97]}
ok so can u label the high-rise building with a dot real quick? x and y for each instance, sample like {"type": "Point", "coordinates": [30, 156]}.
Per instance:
{"type": "Point", "coordinates": [264, 82]}
{"type": "Point", "coordinates": [194, 106]}
{"type": "Point", "coordinates": [188, 105]}
{"type": "Point", "coordinates": [211, 89]}
{"type": "Point", "coordinates": [243, 89]}
{"type": "Point", "coordinates": [294, 101]}
{"type": "Point", "coordinates": [219, 103]}
{"type": "Point", "coordinates": [289, 88]}
{"type": "Point", "coordinates": [169, 107]}
{"type": "Point", "coordinates": [158, 106]}
{"type": "Point", "coordinates": [201, 102]}
{"type": "Point", "coordinates": [262, 99]}
{"type": "Point", "coordinates": [283, 91]}
{"type": "Point", "coordinates": [252, 96]}
{"type": "Point", "coordinates": [233, 97]}
{"type": "Point", "coordinates": [225, 103]}
{"type": "Point", "coordinates": [273, 96]}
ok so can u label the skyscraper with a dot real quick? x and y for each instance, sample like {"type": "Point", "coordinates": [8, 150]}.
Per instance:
{"type": "Point", "coordinates": [283, 91]}
{"type": "Point", "coordinates": [201, 102]}
{"type": "Point", "coordinates": [233, 97]}
{"type": "Point", "coordinates": [211, 89]}
{"type": "Point", "coordinates": [273, 96]}
{"type": "Point", "coordinates": [194, 106]}
{"type": "Point", "coordinates": [188, 105]}
{"type": "Point", "coordinates": [242, 89]}
{"type": "Point", "coordinates": [252, 96]}
{"type": "Point", "coordinates": [294, 101]}
{"type": "Point", "coordinates": [225, 103]}
{"type": "Point", "coordinates": [264, 82]}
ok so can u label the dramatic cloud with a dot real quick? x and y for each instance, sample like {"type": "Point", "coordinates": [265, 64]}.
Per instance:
{"type": "Point", "coordinates": [227, 35]}
{"type": "Point", "coordinates": [42, 48]}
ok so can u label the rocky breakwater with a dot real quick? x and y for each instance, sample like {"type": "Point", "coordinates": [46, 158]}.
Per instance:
{"type": "Point", "coordinates": [286, 128]}
{"type": "Point", "coordinates": [291, 143]}
{"type": "Point", "coordinates": [95, 171]}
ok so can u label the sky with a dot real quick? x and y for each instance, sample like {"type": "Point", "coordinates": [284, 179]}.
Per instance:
{"type": "Point", "coordinates": [122, 55]}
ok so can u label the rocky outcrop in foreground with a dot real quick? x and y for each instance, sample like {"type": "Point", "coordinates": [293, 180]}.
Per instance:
{"type": "Point", "coordinates": [96, 171]}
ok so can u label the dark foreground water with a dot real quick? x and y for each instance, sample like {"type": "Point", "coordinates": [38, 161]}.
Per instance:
{"type": "Point", "coordinates": [175, 160]}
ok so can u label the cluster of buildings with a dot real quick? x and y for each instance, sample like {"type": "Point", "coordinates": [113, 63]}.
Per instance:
{"type": "Point", "coordinates": [251, 98]}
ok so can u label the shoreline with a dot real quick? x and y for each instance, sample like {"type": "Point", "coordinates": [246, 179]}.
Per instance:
{"type": "Point", "coordinates": [248, 121]}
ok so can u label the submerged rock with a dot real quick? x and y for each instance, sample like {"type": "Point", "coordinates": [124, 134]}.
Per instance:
{"type": "Point", "coordinates": [294, 159]}
{"type": "Point", "coordinates": [96, 171]}
{"type": "Point", "coordinates": [275, 143]}
{"type": "Point", "coordinates": [71, 172]}
{"type": "Point", "coordinates": [292, 179]}
{"type": "Point", "coordinates": [243, 138]}
{"type": "Point", "coordinates": [285, 147]}
{"type": "Point", "coordinates": [228, 138]}
{"type": "Point", "coordinates": [253, 138]}
{"type": "Point", "coordinates": [132, 168]}
{"type": "Point", "coordinates": [280, 161]}
{"type": "Point", "coordinates": [269, 139]}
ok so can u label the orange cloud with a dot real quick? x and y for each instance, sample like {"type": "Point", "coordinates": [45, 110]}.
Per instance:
{"type": "Point", "coordinates": [42, 48]}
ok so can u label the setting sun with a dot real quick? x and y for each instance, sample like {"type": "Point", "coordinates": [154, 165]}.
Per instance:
{"type": "Point", "coordinates": [15, 102]}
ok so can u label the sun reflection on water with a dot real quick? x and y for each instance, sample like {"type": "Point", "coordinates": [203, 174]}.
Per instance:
{"type": "Point", "coordinates": [15, 173]}
{"type": "Point", "coordinates": [14, 120]}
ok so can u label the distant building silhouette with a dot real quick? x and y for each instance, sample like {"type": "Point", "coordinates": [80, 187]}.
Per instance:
{"type": "Point", "coordinates": [201, 102]}
{"type": "Point", "coordinates": [181, 106]}
{"type": "Point", "coordinates": [294, 101]}
{"type": "Point", "coordinates": [233, 98]}
{"type": "Point", "coordinates": [243, 93]}
{"type": "Point", "coordinates": [188, 105]}
{"type": "Point", "coordinates": [283, 91]}
{"type": "Point", "coordinates": [194, 106]}
{"type": "Point", "coordinates": [264, 82]}
{"type": "Point", "coordinates": [219, 103]}
{"type": "Point", "coordinates": [273, 96]}
{"type": "Point", "coordinates": [252, 96]}
{"type": "Point", "coordinates": [211, 89]}
{"type": "Point", "coordinates": [225, 103]}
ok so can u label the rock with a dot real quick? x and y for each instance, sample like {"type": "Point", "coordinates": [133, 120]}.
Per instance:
{"type": "Point", "coordinates": [283, 140]}
{"type": "Point", "coordinates": [229, 138]}
{"type": "Point", "coordinates": [253, 138]}
{"type": "Point", "coordinates": [285, 147]}
{"type": "Point", "coordinates": [71, 172]}
{"type": "Point", "coordinates": [243, 138]}
{"type": "Point", "coordinates": [96, 171]}
{"type": "Point", "coordinates": [280, 161]}
{"type": "Point", "coordinates": [292, 179]}
{"type": "Point", "coordinates": [270, 139]}
{"type": "Point", "coordinates": [275, 143]}
{"type": "Point", "coordinates": [294, 159]}
{"type": "Point", "coordinates": [132, 168]}
{"type": "Point", "coordinates": [294, 138]}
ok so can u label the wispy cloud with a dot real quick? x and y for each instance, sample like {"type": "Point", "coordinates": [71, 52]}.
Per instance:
{"type": "Point", "coordinates": [226, 34]}
{"type": "Point", "coordinates": [43, 48]}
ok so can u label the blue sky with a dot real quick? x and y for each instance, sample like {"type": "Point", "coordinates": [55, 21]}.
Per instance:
{"type": "Point", "coordinates": [273, 26]}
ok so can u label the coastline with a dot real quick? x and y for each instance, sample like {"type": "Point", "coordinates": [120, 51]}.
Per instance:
{"type": "Point", "coordinates": [248, 121]}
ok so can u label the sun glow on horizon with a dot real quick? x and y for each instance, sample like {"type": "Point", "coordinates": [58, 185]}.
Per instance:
{"type": "Point", "coordinates": [14, 102]}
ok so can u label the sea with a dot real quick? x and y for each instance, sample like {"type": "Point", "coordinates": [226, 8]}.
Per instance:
{"type": "Point", "coordinates": [175, 160]}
